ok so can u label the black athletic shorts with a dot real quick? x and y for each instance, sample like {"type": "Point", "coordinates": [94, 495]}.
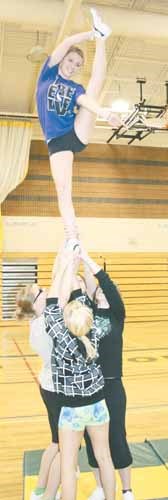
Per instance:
{"type": "Point", "coordinates": [67, 142]}
{"type": "Point", "coordinates": [116, 402]}
{"type": "Point", "coordinates": [53, 410]}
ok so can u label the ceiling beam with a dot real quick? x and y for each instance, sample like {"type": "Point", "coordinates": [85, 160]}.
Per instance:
{"type": "Point", "coordinates": [142, 60]}
{"type": "Point", "coordinates": [136, 23]}
{"type": "Point", "coordinates": [130, 22]}
{"type": "Point", "coordinates": [108, 85]}
{"type": "Point", "coordinates": [72, 7]}
{"type": "Point", "coordinates": [41, 13]}
{"type": "Point", "coordinates": [117, 58]}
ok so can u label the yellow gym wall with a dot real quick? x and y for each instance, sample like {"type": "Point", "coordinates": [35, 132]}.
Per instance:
{"type": "Point", "coordinates": [120, 194]}
{"type": "Point", "coordinates": [42, 234]}
{"type": "Point", "coordinates": [1, 232]}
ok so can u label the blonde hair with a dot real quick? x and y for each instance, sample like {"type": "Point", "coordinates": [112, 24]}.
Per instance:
{"type": "Point", "coordinates": [24, 303]}
{"type": "Point", "coordinates": [77, 50]}
{"type": "Point", "coordinates": [79, 320]}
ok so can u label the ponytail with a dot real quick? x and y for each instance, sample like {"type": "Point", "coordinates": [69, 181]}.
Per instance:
{"type": "Point", "coordinates": [90, 350]}
{"type": "Point", "coordinates": [79, 320]}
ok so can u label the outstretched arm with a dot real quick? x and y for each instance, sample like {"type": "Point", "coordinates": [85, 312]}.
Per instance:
{"type": "Point", "coordinates": [106, 284]}
{"type": "Point", "coordinates": [92, 265]}
{"type": "Point", "coordinates": [112, 294]}
{"type": "Point", "coordinates": [60, 51]}
{"type": "Point", "coordinates": [90, 280]}
{"type": "Point", "coordinates": [59, 292]}
{"type": "Point", "coordinates": [63, 271]}
{"type": "Point", "coordinates": [56, 264]}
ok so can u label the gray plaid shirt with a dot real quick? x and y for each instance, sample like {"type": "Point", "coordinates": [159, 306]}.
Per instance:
{"type": "Point", "coordinates": [73, 375]}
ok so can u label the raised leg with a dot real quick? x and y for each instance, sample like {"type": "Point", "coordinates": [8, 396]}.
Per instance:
{"type": "Point", "coordinates": [85, 120]}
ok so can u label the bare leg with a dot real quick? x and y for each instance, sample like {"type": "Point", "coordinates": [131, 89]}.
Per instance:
{"type": "Point", "coordinates": [100, 442]}
{"type": "Point", "coordinates": [69, 445]}
{"type": "Point", "coordinates": [98, 70]}
{"type": "Point", "coordinates": [85, 120]}
{"type": "Point", "coordinates": [125, 475]}
{"type": "Point", "coordinates": [53, 479]}
{"type": "Point", "coordinates": [61, 168]}
{"type": "Point", "coordinates": [46, 461]}
{"type": "Point", "coordinates": [97, 477]}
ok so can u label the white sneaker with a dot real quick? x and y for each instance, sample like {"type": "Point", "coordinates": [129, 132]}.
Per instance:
{"type": "Point", "coordinates": [101, 30]}
{"type": "Point", "coordinates": [98, 494]}
{"type": "Point", "coordinates": [77, 473]}
{"type": "Point", "coordinates": [72, 244]}
{"type": "Point", "coordinates": [128, 496]}
{"type": "Point", "coordinates": [58, 495]}
{"type": "Point", "coordinates": [33, 496]}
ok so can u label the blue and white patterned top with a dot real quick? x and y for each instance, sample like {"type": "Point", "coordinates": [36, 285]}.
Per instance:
{"type": "Point", "coordinates": [73, 375]}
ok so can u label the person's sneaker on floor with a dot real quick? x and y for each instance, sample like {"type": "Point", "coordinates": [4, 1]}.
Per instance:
{"type": "Point", "coordinates": [77, 472]}
{"type": "Point", "coordinates": [101, 30]}
{"type": "Point", "coordinates": [128, 495]}
{"type": "Point", "coordinates": [37, 494]}
{"type": "Point", "coordinates": [98, 494]}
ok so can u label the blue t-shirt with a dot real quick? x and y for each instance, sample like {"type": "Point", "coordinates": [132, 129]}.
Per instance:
{"type": "Point", "coordinates": [56, 100]}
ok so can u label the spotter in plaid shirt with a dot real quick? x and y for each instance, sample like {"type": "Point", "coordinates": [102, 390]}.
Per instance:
{"type": "Point", "coordinates": [73, 375]}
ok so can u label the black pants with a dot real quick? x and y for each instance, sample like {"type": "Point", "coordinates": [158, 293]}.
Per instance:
{"type": "Point", "coordinates": [53, 410]}
{"type": "Point", "coordinates": [116, 401]}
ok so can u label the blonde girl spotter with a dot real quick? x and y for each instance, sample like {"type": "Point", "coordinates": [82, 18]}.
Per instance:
{"type": "Point", "coordinates": [79, 320]}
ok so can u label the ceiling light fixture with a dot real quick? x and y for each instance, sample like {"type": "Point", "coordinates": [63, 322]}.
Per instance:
{"type": "Point", "coordinates": [37, 54]}
{"type": "Point", "coordinates": [120, 106]}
